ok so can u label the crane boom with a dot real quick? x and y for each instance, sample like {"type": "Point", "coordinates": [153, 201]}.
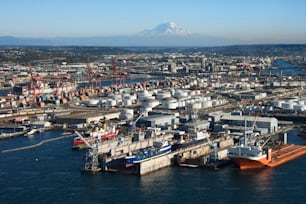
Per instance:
{"type": "Point", "coordinates": [82, 138]}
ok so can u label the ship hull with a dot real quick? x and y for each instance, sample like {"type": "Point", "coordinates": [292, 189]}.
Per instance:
{"type": "Point", "coordinates": [247, 163]}
{"type": "Point", "coordinates": [132, 160]}
{"type": "Point", "coordinates": [78, 142]}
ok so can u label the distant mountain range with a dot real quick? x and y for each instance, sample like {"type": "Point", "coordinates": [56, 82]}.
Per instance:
{"type": "Point", "coordinates": [166, 34]}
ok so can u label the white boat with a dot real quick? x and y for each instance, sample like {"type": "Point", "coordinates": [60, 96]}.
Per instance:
{"type": "Point", "coordinates": [32, 132]}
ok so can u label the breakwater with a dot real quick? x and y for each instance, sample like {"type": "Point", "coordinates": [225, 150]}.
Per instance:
{"type": "Point", "coordinates": [37, 144]}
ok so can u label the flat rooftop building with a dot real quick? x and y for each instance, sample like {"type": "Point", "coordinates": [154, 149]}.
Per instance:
{"type": "Point", "coordinates": [261, 122]}
{"type": "Point", "coordinates": [87, 117]}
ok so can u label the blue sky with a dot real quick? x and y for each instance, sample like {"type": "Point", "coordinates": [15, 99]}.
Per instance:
{"type": "Point", "coordinates": [253, 21]}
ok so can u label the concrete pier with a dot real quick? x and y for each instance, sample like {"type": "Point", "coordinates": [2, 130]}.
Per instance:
{"type": "Point", "coordinates": [155, 164]}
{"type": "Point", "coordinates": [9, 135]}
{"type": "Point", "coordinates": [191, 155]}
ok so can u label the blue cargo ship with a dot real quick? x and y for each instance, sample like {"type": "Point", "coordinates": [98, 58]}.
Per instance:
{"type": "Point", "coordinates": [158, 148]}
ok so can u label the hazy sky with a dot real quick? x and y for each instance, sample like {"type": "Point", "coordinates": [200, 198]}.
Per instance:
{"type": "Point", "coordinates": [249, 20]}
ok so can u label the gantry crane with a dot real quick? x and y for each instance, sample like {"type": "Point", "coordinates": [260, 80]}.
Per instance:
{"type": "Point", "coordinates": [92, 160]}
{"type": "Point", "coordinates": [117, 75]}
{"type": "Point", "coordinates": [35, 82]}
{"type": "Point", "coordinates": [91, 75]}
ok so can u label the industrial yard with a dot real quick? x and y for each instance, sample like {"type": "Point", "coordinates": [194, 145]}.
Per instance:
{"type": "Point", "coordinates": [138, 113]}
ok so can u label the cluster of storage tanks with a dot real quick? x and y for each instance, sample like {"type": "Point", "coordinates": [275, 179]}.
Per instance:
{"type": "Point", "coordinates": [178, 98]}
{"type": "Point", "coordinates": [294, 104]}
{"type": "Point", "coordinates": [113, 100]}
{"type": "Point", "coordinates": [166, 99]}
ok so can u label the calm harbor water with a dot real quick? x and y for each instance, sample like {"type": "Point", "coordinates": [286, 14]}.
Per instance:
{"type": "Point", "coordinates": [51, 174]}
{"type": "Point", "coordinates": [285, 68]}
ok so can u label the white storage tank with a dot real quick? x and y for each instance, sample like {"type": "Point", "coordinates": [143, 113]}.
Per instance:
{"type": "Point", "coordinates": [128, 111]}
{"type": "Point", "coordinates": [181, 103]}
{"type": "Point", "coordinates": [206, 104]}
{"type": "Point", "coordinates": [126, 96]}
{"type": "Point", "coordinates": [271, 108]}
{"type": "Point", "coordinates": [93, 102]}
{"type": "Point", "coordinates": [116, 96]}
{"type": "Point", "coordinates": [150, 103]}
{"type": "Point", "coordinates": [215, 102]}
{"type": "Point", "coordinates": [144, 94]}
{"type": "Point", "coordinates": [127, 102]}
{"type": "Point", "coordinates": [133, 96]}
{"type": "Point", "coordinates": [206, 98]}
{"type": "Point", "coordinates": [303, 99]}
{"type": "Point", "coordinates": [170, 103]}
{"type": "Point", "coordinates": [192, 93]}
{"type": "Point", "coordinates": [196, 105]}
{"type": "Point", "coordinates": [301, 102]}
{"type": "Point", "coordinates": [163, 94]}
{"type": "Point", "coordinates": [180, 93]}
{"type": "Point", "coordinates": [111, 102]}
{"type": "Point", "coordinates": [119, 102]}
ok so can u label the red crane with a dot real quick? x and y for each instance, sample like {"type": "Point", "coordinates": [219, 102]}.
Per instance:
{"type": "Point", "coordinates": [92, 76]}
{"type": "Point", "coordinates": [35, 82]}
{"type": "Point", "coordinates": [117, 76]}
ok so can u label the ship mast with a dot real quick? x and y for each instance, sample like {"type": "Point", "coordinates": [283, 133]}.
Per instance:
{"type": "Point", "coordinates": [245, 131]}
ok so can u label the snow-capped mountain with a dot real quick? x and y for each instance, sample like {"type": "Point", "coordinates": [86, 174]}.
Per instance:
{"type": "Point", "coordinates": [166, 34]}
{"type": "Point", "coordinates": [169, 28]}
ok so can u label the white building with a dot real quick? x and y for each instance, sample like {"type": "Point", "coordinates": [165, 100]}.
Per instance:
{"type": "Point", "coordinates": [261, 122]}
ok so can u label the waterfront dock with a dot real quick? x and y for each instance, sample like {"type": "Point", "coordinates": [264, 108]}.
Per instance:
{"type": "Point", "coordinates": [10, 135]}
{"type": "Point", "coordinates": [179, 156]}
{"type": "Point", "coordinates": [197, 155]}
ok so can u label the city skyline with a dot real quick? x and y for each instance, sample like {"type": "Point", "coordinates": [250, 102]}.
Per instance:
{"type": "Point", "coordinates": [273, 21]}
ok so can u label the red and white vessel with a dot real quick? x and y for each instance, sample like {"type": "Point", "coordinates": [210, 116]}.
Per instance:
{"type": "Point", "coordinates": [252, 155]}
{"type": "Point", "coordinates": [249, 157]}
{"type": "Point", "coordinates": [99, 133]}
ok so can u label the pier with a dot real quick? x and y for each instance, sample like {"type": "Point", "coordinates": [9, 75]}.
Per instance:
{"type": "Point", "coordinates": [155, 163]}
{"type": "Point", "coordinates": [196, 155]}
{"type": "Point", "coordinates": [14, 134]}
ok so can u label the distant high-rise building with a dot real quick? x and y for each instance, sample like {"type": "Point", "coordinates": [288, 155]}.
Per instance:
{"type": "Point", "coordinates": [172, 68]}
{"type": "Point", "coordinates": [213, 67]}
{"type": "Point", "coordinates": [186, 69]}
{"type": "Point", "coordinates": [203, 63]}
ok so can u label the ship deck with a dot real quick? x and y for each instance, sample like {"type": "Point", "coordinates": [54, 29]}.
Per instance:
{"type": "Point", "coordinates": [286, 153]}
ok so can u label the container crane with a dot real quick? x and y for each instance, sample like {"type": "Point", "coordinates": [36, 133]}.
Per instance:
{"type": "Point", "coordinates": [35, 82]}
{"type": "Point", "coordinates": [117, 76]}
{"type": "Point", "coordinates": [91, 74]}
{"type": "Point", "coordinates": [91, 161]}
